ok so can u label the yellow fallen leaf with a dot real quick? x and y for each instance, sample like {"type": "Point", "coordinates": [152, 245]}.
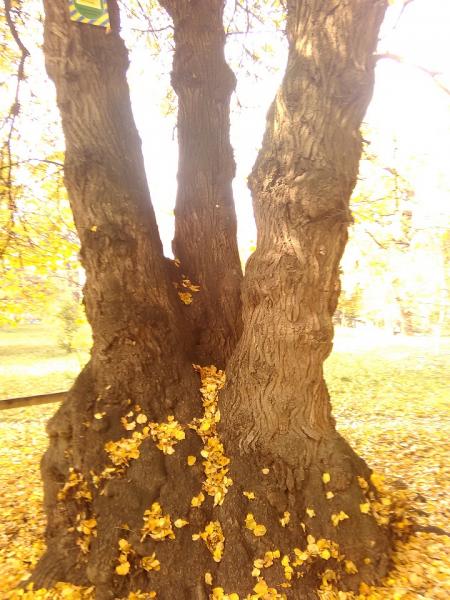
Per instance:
{"type": "Point", "coordinates": [179, 523]}
{"type": "Point", "coordinates": [285, 518]}
{"type": "Point", "coordinates": [350, 567]}
{"type": "Point", "coordinates": [123, 568]}
{"type": "Point", "coordinates": [326, 477]}
{"type": "Point", "coordinates": [198, 500]}
{"type": "Point", "coordinates": [337, 518]}
{"type": "Point", "coordinates": [261, 588]}
{"type": "Point", "coordinates": [150, 563]}
{"type": "Point", "coordinates": [124, 545]}
{"type": "Point", "coordinates": [259, 530]}
{"type": "Point", "coordinates": [191, 460]}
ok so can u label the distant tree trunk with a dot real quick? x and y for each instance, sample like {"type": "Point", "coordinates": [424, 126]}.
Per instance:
{"type": "Point", "coordinates": [205, 220]}
{"type": "Point", "coordinates": [276, 411]}
{"type": "Point", "coordinates": [137, 362]}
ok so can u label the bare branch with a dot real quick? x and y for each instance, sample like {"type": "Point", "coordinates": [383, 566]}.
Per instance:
{"type": "Point", "coordinates": [406, 3]}
{"type": "Point", "coordinates": [13, 113]}
{"type": "Point", "coordinates": [433, 74]}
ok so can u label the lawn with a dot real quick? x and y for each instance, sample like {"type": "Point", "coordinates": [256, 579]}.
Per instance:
{"type": "Point", "coordinates": [390, 398]}
{"type": "Point", "coordinates": [31, 362]}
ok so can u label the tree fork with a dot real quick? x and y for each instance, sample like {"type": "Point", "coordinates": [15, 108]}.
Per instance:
{"type": "Point", "coordinates": [205, 220]}
{"type": "Point", "coordinates": [277, 424]}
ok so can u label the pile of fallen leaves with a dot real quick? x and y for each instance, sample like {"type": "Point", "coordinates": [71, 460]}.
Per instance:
{"type": "Point", "coordinates": [394, 410]}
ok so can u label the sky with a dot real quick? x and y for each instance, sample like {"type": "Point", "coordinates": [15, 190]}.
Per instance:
{"type": "Point", "coordinates": [409, 115]}
{"type": "Point", "coordinates": [408, 119]}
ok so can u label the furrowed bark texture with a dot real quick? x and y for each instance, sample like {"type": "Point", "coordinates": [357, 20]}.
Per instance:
{"type": "Point", "coordinates": [205, 220]}
{"type": "Point", "coordinates": [275, 408]}
{"type": "Point", "coordinates": [137, 358]}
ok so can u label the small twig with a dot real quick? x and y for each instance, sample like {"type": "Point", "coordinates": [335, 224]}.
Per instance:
{"type": "Point", "coordinates": [405, 4]}
{"type": "Point", "coordinates": [430, 529]}
{"type": "Point", "coordinates": [382, 246]}
{"type": "Point", "coordinates": [27, 160]}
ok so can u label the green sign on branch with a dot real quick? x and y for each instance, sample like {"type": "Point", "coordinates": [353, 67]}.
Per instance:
{"type": "Point", "coordinates": [92, 12]}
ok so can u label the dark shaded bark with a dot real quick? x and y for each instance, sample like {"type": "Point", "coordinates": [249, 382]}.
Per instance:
{"type": "Point", "coordinates": [137, 362]}
{"type": "Point", "coordinates": [276, 410]}
{"type": "Point", "coordinates": [205, 220]}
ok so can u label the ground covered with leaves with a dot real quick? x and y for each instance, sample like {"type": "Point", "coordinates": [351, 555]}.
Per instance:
{"type": "Point", "coordinates": [390, 398]}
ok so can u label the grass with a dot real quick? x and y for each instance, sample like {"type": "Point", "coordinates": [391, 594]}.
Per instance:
{"type": "Point", "coordinates": [390, 399]}
{"type": "Point", "coordinates": [32, 363]}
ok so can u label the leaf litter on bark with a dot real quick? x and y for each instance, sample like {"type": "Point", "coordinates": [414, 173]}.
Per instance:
{"type": "Point", "coordinates": [421, 567]}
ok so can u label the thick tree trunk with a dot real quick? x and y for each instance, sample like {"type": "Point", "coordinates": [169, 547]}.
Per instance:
{"type": "Point", "coordinates": [276, 412]}
{"type": "Point", "coordinates": [205, 220]}
{"type": "Point", "coordinates": [116, 480]}
{"type": "Point", "coordinates": [137, 367]}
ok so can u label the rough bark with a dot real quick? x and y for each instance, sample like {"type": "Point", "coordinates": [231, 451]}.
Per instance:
{"type": "Point", "coordinates": [137, 362]}
{"type": "Point", "coordinates": [276, 410]}
{"type": "Point", "coordinates": [205, 220]}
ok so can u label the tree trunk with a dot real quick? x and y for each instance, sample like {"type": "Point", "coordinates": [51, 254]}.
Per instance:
{"type": "Point", "coordinates": [117, 483]}
{"type": "Point", "coordinates": [137, 367]}
{"type": "Point", "coordinates": [276, 412]}
{"type": "Point", "coordinates": [205, 220]}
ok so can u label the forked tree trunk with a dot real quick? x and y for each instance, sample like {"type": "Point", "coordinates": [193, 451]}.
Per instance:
{"type": "Point", "coordinates": [276, 411]}
{"type": "Point", "coordinates": [137, 362]}
{"type": "Point", "coordinates": [205, 220]}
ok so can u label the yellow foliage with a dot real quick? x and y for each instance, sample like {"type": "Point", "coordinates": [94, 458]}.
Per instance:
{"type": "Point", "coordinates": [166, 435]}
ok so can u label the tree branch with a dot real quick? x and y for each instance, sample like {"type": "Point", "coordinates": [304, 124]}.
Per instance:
{"type": "Point", "coordinates": [13, 113]}
{"type": "Point", "coordinates": [401, 60]}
